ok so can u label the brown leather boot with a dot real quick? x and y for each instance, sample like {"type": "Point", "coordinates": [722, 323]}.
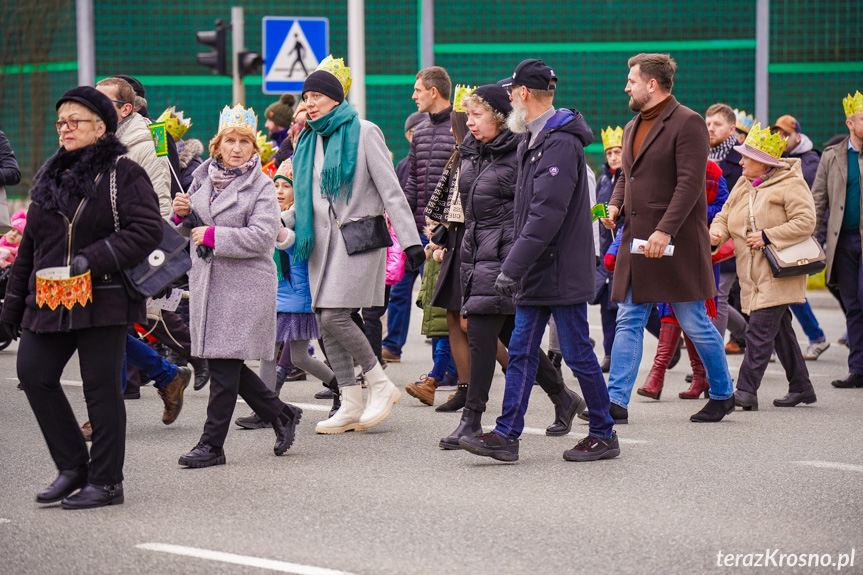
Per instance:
{"type": "Point", "coordinates": [699, 374]}
{"type": "Point", "coordinates": [669, 336]}
{"type": "Point", "coordinates": [172, 395]}
{"type": "Point", "coordinates": [423, 390]}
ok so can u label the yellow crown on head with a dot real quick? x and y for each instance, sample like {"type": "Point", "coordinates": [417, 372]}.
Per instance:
{"type": "Point", "coordinates": [238, 117]}
{"type": "Point", "coordinates": [337, 68]}
{"type": "Point", "coordinates": [267, 149]}
{"type": "Point", "coordinates": [771, 144]}
{"type": "Point", "coordinates": [461, 92]}
{"type": "Point", "coordinates": [175, 124]}
{"type": "Point", "coordinates": [744, 121]}
{"type": "Point", "coordinates": [612, 138]}
{"type": "Point", "coordinates": [853, 104]}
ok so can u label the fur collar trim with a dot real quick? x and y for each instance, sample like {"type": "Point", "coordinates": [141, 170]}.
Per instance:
{"type": "Point", "coordinates": [192, 149]}
{"type": "Point", "coordinates": [68, 177]}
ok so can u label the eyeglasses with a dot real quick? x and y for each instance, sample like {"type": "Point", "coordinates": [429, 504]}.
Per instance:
{"type": "Point", "coordinates": [121, 102]}
{"type": "Point", "coordinates": [72, 123]}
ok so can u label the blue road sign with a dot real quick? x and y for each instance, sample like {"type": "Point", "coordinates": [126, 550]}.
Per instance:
{"type": "Point", "coordinates": [293, 48]}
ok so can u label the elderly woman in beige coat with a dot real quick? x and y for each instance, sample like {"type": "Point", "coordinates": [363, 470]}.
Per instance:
{"type": "Point", "coordinates": [771, 204]}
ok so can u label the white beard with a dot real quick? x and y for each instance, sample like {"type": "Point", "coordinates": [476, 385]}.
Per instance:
{"type": "Point", "coordinates": [517, 120]}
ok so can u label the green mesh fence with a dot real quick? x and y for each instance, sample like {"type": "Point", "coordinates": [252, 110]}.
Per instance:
{"type": "Point", "coordinates": [815, 49]}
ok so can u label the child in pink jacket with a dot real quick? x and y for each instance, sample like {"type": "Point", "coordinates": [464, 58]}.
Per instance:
{"type": "Point", "coordinates": [12, 239]}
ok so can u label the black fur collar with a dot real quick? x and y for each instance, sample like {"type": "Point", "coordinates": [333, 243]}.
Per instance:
{"type": "Point", "coordinates": [68, 177]}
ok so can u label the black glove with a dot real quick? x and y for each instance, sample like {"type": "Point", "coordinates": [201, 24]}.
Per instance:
{"type": "Point", "coordinates": [164, 293]}
{"type": "Point", "coordinates": [416, 257]}
{"type": "Point", "coordinates": [78, 266]}
{"type": "Point", "coordinates": [204, 252]}
{"type": "Point", "coordinates": [13, 330]}
{"type": "Point", "coordinates": [505, 285]}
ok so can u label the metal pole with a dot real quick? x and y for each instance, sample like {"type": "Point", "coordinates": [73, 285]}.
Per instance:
{"type": "Point", "coordinates": [237, 46]}
{"type": "Point", "coordinates": [427, 34]}
{"type": "Point", "coordinates": [762, 58]}
{"type": "Point", "coordinates": [86, 42]}
{"type": "Point", "coordinates": [357, 54]}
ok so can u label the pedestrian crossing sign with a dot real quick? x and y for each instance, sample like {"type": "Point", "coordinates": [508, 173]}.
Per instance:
{"type": "Point", "coordinates": [293, 48]}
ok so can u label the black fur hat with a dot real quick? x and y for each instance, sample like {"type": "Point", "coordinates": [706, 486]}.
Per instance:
{"type": "Point", "coordinates": [96, 101]}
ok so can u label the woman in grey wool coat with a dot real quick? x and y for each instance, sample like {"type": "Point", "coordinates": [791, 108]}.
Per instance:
{"type": "Point", "coordinates": [232, 216]}
{"type": "Point", "coordinates": [343, 161]}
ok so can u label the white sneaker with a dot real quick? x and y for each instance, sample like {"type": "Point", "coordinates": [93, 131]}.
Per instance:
{"type": "Point", "coordinates": [347, 418]}
{"type": "Point", "coordinates": [382, 395]}
{"type": "Point", "coordinates": [814, 350]}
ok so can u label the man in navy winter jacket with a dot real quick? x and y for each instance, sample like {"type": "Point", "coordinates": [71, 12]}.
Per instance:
{"type": "Point", "coordinates": [551, 266]}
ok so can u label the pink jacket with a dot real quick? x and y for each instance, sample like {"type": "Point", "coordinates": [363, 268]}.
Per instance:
{"type": "Point", "coordinates": [8, 253]}
{"type": "Point", "coordinates": [395, 259]}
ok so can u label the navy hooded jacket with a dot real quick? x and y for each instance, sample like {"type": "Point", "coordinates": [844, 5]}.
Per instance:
{"type": "Point", "coordinates": [553, 255]}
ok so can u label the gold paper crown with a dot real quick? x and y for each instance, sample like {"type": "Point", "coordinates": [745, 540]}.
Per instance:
{"type": "Point", "coordinates": [771, 144]}
{"type": "Point", "coordinates": [286, 170]}
{"type": "Point", "coordinates": [460, 93]}
{"type": "Point", "coordinates": [744, 121]}
{"type": "Point", "coordinates": [175, 124]}
{"type": "Point", "coordinates": [267, 150]}
{"type": "Point", "coordinates": [238, 117]}
{"type": "Point", "coordinates": [612, 138]}
{"type": "Point", "coordinates": [338, 69]}
{"type": "Point", "coordinates": [853, 104]}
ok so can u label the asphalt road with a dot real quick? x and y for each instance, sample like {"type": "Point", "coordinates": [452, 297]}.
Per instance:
{"type": "Point", "coordinates": [389, 501]}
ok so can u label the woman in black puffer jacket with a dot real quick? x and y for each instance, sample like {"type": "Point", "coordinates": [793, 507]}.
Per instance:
{"type": "Point", "coordinates": [487, 187]}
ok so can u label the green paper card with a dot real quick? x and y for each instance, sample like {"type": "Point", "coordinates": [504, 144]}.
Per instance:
{"type": "Point", "coordinates": [160, 138]}
{"type": "Point", "coordinates": [599, 211]}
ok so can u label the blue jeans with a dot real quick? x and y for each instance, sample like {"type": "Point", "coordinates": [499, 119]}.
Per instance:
{"type": "Point", "coordinates": [572, 330]}
{"type": "Point", "coordinates": [142, 356]}
{"type": "Point", "coordinates": [399, 310]}
{"type": "Point", "coordinates": [628, 347]}
{"type": "Point", "coordinates": [807, 319]}
{"type": "Point", "coordinates": [443, 362]}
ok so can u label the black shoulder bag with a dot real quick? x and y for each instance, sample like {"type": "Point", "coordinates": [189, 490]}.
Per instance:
{"type": "Point", "coordinates": [365, 234]}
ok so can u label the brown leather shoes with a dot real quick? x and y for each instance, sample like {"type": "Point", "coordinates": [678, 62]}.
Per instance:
{"type": "Point", "coordinates": [731, 348]}
{"type": "Point", "coordinates": [423, 390]}
{"type": "Point", "coordinates": [389, 356]}
{"type": "Point", "coordinates": [172, 395]}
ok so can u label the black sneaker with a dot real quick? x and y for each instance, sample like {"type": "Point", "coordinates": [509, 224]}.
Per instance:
{"type": "Point", "coordinates": [203, 455]}
{"type": "Point", "coordinates": [491, 445]}
{"type": "Point", "coordinates": [593, 449]}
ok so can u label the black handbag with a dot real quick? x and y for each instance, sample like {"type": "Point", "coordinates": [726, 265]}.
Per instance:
{"type": "Point", "coordinates": [165, 265]}
{"type": "Point", "coordinates": [365, 234]}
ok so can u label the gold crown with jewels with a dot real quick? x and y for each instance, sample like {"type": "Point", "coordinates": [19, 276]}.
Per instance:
{"type": "Point", "coordinates": [744, 121]}
{"type": "Point", "coordinates": [337, 68]}
{"type": "Point", "coordinates": [238, 117]}
{"type": "Point", "coordinates": [461, 92]}
{"type": "Point", "coordinates": [175, 124]}
{"type": "Point", "coordinates": [771, 144]}
{"type": "Point", "coordinates": [853, 104]}
{"type": "Point", "coordinates": [612, 138]}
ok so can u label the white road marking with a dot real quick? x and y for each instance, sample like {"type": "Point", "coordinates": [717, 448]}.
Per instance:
{"type": "Point", "coordinates": [4, 520]}
{"type": "Point", "coordinates": [246, 560]}
{"type": "Point", "coordinates": [831, 465]}
{"type": "Point", "coordinates": [303, 406]}
{"type": "Point", "coordinates": [538, 431]}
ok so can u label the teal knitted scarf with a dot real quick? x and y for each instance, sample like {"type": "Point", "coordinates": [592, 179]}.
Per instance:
{"type": "Point", "coordinates": [342, 128]}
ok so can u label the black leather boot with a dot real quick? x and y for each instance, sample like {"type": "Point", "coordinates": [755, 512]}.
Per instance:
{"type": "Point", "coordinates": [457, 400]}
{"type": "Point", "coordinates": [567, 404]}
{"type": "Point", "coordinates": [202, 372]}
{"type": "Point", "coordinates": [714, 411]}
{"type": "Point", "coordinates": [68, 482]}
{"type": "Point", "coordinates": [337, 396]}
{"type": "Point", "coordinates": [285, 426]}
{"type": "Point", "coordinates": [203, 455]}
{"type": "Point", "coordinates": [469, 426]}
{"type": "Point", "coordinates": [93, 496]}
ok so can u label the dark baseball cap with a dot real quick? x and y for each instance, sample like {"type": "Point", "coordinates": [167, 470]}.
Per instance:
{"type": "Point", "coordinates": [534, 74]}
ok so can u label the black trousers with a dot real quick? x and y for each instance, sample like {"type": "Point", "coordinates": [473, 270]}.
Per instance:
{"type": "Point", "coordinates": [41, 360]}
{"type": "Point", "coordinates": [848, 273]}
{"type": "Point", "coordinates": [228, 378]}
{"type": "Point", "coordinates": [769, 329]}
{"type": "Point", "coordinates": [483, 333]}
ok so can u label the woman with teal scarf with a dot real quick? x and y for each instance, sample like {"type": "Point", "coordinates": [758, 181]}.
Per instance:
{"type": "Point", "coordinates": [343, 161]}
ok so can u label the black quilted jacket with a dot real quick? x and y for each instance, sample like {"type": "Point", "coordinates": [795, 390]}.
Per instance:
{"type": "Point", "coordinates": [431, 149]}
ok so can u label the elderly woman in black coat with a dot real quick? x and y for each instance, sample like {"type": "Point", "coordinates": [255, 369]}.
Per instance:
{"type": "Point", "coordinates": [487, 187]}
{"type": "Point", "coordinates": [71, 223]}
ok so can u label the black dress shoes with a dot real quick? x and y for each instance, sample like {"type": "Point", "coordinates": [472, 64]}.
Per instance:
{"type": "Point", "coordinates": [68, 482]}
{"type": "Point", "coordinates": [745, 400]}
{"type": "Point", "coordinates": [203, 455]}
{"type": "Point", "coordinates": [849, 381]}
{"type": "Point", "coordinates": [714, 411]}
{"type": "Point", "coordinates": [93, 496]}
{"type": "Point", "coordinates": [567, 404]}
{"type": "Point", "coordinates": [793, 399]}
{"type": "Point", "coordinates": [285, 427]}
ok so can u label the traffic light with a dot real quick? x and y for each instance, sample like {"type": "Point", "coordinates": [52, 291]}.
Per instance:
{"type": "Point", "coordinates": [248, 62]}
{"type": "Point", "coordinates": [216, 59]}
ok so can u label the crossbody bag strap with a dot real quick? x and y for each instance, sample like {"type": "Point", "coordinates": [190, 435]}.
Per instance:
{"type": "Point", "coordinates": [113, 192]}
{"type": "Point", "coordinates": [333, 211]}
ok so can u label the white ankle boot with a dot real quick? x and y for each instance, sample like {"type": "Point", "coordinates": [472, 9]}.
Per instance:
{"type": "Point", "coordinates": [347, 418]}
{"type": "Point", "coordinates": [382, 395]}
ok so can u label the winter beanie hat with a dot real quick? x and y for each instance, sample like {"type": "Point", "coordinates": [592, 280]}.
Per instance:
{"type": "Point", "coordinates": [91, 98]}
{"type": "Point", "coordinates": [496, 97]}
{"type": "Point", "coordinates": [281, 112]}
{"type": "Point", "coordinates": [19, 220]}
{"type": "Point", "coordinates": [326, 84]}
